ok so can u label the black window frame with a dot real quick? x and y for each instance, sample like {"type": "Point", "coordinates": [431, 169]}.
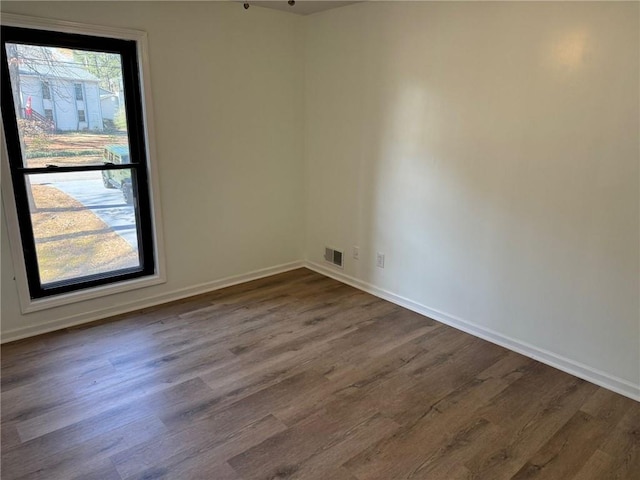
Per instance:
{"type": "Point", "coordinates": [127, 49]}
{"type": "Point", "coordinates": [82, 116]}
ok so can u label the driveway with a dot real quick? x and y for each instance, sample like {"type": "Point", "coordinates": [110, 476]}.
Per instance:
{"type": "Point", "coordinates": [107, 204]}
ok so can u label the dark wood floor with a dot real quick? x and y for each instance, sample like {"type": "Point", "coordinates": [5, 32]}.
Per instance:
{"type": "Point", "coordinates": [299, 377]}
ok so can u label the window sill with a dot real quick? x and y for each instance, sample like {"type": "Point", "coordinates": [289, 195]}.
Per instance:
{"type": "Point", "coordinates": [34, 305]}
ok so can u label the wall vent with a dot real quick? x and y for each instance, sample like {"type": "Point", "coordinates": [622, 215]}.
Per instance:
{"type": "Point", "coordinates": [333, 256]}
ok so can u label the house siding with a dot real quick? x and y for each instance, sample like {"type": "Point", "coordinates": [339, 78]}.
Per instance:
{"type": "Point", "coordinates": [63, 102]}
{"type": "Point", "coordinates": [92, 106]}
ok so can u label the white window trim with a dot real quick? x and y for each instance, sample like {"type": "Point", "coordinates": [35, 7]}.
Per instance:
{"type": "Point", "coordinates": [27, 304]}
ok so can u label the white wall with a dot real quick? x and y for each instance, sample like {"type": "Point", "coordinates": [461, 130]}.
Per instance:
{"type": "Point", "coordinates": [93, 112]}
{"type": "Point", "coordinates": [227, 91]}
{"type": "Point", "coordinates": [108, 107]}
{"type": "Point", "coordinates": [491, 151]}
{"type": "Point", "coordinates": [63, 102]}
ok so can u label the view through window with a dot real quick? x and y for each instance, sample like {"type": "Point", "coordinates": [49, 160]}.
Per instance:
{"type": "Point", "coordinates": [78, 168]}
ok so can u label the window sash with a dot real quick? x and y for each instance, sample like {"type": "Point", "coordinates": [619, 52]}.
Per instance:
{"type": "Point", "coordinates": [136, 134]}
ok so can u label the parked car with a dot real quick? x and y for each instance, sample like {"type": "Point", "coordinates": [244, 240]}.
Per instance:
{"type": "Point", "coordinates": [118, 155]}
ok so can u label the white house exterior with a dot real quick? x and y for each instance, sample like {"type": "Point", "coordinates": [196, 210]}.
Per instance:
{"type": "Point", "coordinates": [70, 97]}
{"type": "Point", "coordinates": [109, 104]}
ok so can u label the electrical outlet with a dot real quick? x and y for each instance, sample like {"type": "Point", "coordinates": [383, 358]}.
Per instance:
{"type": "Point", "coordinates": [356, 252]}
{"type": "Point", "coordinates": [380, 260]}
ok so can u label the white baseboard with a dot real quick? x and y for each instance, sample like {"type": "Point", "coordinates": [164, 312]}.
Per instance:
{"type": "Point", "coordinates": [86, 317]}
{"type": "Point", "coordinates": [580, 370]}
{"type": "Point", "coordinates": [572, 367]}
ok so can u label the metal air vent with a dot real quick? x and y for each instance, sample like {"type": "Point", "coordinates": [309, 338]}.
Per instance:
{"type": "Point", "coordinates": [333, 256]}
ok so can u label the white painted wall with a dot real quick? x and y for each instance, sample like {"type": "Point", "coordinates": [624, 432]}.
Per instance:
{"type": "Point", "coordinates": [93, 112]}
{"type": "Point", "coordinates": [230, 159]}
{"type": "Point", "coordinates": [491, 151]}
{"type": "Point", "coordinates": [64, 105]}
{"type": "Point", "coordinates": [108, 106]}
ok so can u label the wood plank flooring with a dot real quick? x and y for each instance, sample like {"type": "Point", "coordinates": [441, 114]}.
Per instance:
{"type": "Point", "coordinates": [297, 376]}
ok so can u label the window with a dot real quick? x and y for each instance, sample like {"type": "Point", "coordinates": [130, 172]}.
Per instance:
{"type": "Point", "coordinates": [82, 223]}
{"type": "Point", "coordinates": [46, 91]}
{"type": "Point", "coordinates": [78, 87]}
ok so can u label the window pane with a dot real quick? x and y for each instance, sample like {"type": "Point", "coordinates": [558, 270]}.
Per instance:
{"type": "Point", "coordinates": [81, 227]}
{"type": "Point", "coordinates": [69, 103]}
{"type": "Point", "coordinates": [78, 87]}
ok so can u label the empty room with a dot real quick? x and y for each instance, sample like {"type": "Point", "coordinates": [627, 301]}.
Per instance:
{"type": "Point", "coordinates": [320, 240]}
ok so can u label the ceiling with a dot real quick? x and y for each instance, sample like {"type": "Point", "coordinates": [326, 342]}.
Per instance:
{"type": "Point", "coordinates": [302, 7]}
